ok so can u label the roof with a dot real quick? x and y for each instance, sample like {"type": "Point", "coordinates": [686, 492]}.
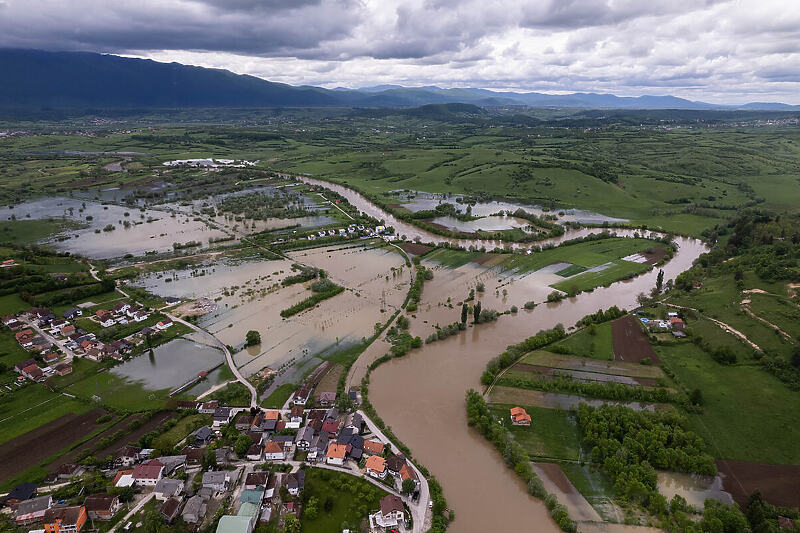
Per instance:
{"type": "Point", "coordinates": [170, 506]}
{"type": "Point", "coordinates": [376, 463]}
{"type": "Point", "coordinates": [273, 447]}
{"type": "Point", "coordinates": [67, 515]}
{"type": "Point", "coordinates": [391, 503]}
{"type": "Point", "coordinates": [297, 411]}
{"type": "Point", "coordinates": [517, 411]}
{"type": "Point", "coordinates": [272, 415]}
{"type": "Point", "coordinates": [100, 502]}
{"type": "Point", "coordinates": [203, 433]}
{"type": "Point", "coordinates": [214, 478]}
{"type": "Point", "coordinates": [331, 426]}
{"type": "Point", "coordinates": [336, 451]}
{"type": "Point", "coordinates": [305, 434]}
{"type": "Point", "coordinates": [119, 475]}
{"type": "Point", "coordinates": [194, 506]}
{"type": "Point", "coordinates": [149, 470]}
{"type": "Point", "coordinates": [23, 491]}
{"type": "Point", "coordinates": [34, 504]}
{"type": "Point", "coordinates": [248, 509]}
{"type": "Point", "coordinates": [252, 495]}
{"type": "Point", "coordinates": [257, 478]}
{"type": "Point", "coordinates": [373, 446]}
{"type": "Point", "coordinates": [327, 396]}
{"type": "Point", "coordinates": [168, 487]}
{"type": "Point", "coordinates": [128, 451]}
{"type": "Point", "coordinates": [395, 462]}
{"type": "Point", "coordinates": [234, 524]}
{"type": "Point", "coordinates": [406, 472]}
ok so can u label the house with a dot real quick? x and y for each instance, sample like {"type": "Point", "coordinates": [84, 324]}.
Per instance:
{"type": "Point", "coordinates": [394, 463]}
{"type": "Point", "coordinates": [24, 338]}
{"type": "Point", "coordinates": [406, 472]}
{"type": "Point", "coordinates": [202, 436]}
{"type": "Point", "coordinates": [62, 369]}
{"type": "Point", "coordinates": [254, 452]}
{"type": "Point", "coordinates": [304, 438]}
{"type": "Point", "coordinates": [222, 416]}
{"type": "Point", "coordinates": [376, 466]}
{"type": "Point", "coordinates": [122, 307]}
{"type": "Point", "coordinates": [208, 408]}
{"type": "Point", "coordinates": [65, 519]}
{"type": "Point", "coordinates": [34, 373]}
{"type": "Point", "coordinates": [327, 398]}
{"type": "Point", "coordinates": [235, 524]}
{"type": "Point", "coordinates": [50, 357]}
{"type": "Point", "coordinates": [291, 483]}
{"type": "Point", "coordinates": [57, 324]}
{"type": "Point", "coordinates": [149, 473]}
{"type": "Point", "coordinates": [336, 454]}
{"type": "Point", "coordinates": [64, 472]}
{"type": "Point", "coordinates": [273, 451]}
{"type": "Point", "coordinates": [188, 404]}
{"type": "Point", "coordinates": [164, 324]}
{"type": "Point", "coordinates": [256, 436]}
{"type": "Point", "coordinates": [127, 456]}
{"type": "Point", "coordinates": [355, 397]}
{"type": "Point", "coordinates": [223, 455]}
{"type": "Point", "coordinates": [172, 463]}
{"type": "Point", "coordinates": [272, 484]}
{"type": "Point", "coordinates": [331, 427]}
{"type": "Point", "coordinates": [217, 481]}
{"type": "Point", "coordinates": [141, 316]}
{"type": "Point", "coordinates": [391, 513]}
{"type": "Point", "coordinates": [9, 319]}
{"type": "Point", "coordinates": [123, 478]}
{"type": "Point", "coordinates": [20, 493]}
{"type": "Point", "coordinates": [268, 425]}
{"type": "Point", "coordinates": [32, 510]}
{"type": "Point", "coordinates": [301, 396]}
{"type": "Point", "coordinates": [316, 451]}
{"type": "Point", "coordinates": [194, 510]}
{"type": "Point", "coordinates": [194, 456]}
{"type": "Point", "coordinates": [354, 421]}
{"type": "Point", "coordinates": [519, 417]}
{"type": "Point", "coordinates": [105, 318]}
{"type": "Point", "coordinates": [72, 313]}
{"type": "Point", "coordinates": [167, 488]}
{"type": "Point", "coordinates": [256, 479]}
{"type": "Point", "coordinates": [331, 414]}
{"type": "Point", "coordinates": [19, 367]}
{"type": "Point", "coordinates": [243, 422]}
{"type": "Point", "coordinates": [102, 506]}
{"type": "Point", "coordinates": [296, 414]}
{"type": "Point", "coordinates": [169, 509]}
{"type": "Point", "coordinates": [284, 440]}
{"type": "Point", "coordinates": [676, 323]}
{"type": "Point", "coordinates": [374, 447]}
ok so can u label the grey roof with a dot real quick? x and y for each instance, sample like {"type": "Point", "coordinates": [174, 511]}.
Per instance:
{"type": "Point", "coordinates": [268, 425]}
{"type": "Point", "coordinates": [222, 413]}
{"type": "Point", "coordinates": [332, 413]}
{"type": "Point", "coordinates": [282, 438]}
{"type": "Point", "coordinates": [195, 507]}
{"type": "Point", "coordinates": [169, 487]}
{"type": "Point", "coordinates": [214, 478]}
{"type": "Point", "coordinates": [204, 433]}
{"type": "Point", "coordinates": [172, 462]}
{"type": "Point", "coordinates": [34, 504]}
{"type": "Point", "coordinates": [305, 434]}
{"type": "Point", "coordinates": [320, 442]}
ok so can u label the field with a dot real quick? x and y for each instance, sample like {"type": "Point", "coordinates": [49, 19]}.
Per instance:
{"type": "Point", "coordinates": [586, 344]}
{"type": "Point", "coordinates": [616, 271]}
{"type": "Point", "coordinates": [779, 484]}
{"type": "Point", "coordinates": [351, 499]}
{"type": "Point", "coordinates": [630, 342]}
{"type": "Point", "coordinates": [279, 395]}
{"type": "Point", "coordinates": [552, 433]}
{"type": "Point", "coordinates": [118, 393]}
{"type": "Point", "coordinates": [30, 449]}
{"type": "Point", "coordinates": [33, 406]}
{"type": "Point", "coordinates": [748, 415]}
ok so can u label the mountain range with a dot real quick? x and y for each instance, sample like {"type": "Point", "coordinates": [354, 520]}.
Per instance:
{"type": "Point", "coordinates": [36, 78]}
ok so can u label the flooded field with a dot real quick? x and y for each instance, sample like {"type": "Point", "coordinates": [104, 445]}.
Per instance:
{"type": "Point", "coordinates": [171, 365]}
{"type": "Point", "coordinates": [557, 400]}
{"type": "Point", "coordinates": [140, 236]}
{"type": "Point", "coordinates": [555, 482]}
{"type": "Point", "coordinates": [489, 223]}
{"type": "Point", "coordinates": [693, 487]}
{"type": "Point", "coordinates": [419, 201]}
{"type": "Point", "coordinates": [431, 419]}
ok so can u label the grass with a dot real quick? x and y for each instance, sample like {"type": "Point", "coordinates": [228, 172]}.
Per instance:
{"type": "Point", "coordinates": [552, 434]}
{"type": "Point", "coordinates": [12, 304]}
{"type": "Point", "coordinates": [587, 254]}
{"type": "Point", "coordinates": [748, 414]}
{"type": "Point", "coordinates": [30, 231]}
{"type": "Point", "coordinates": [233, 395]}
{"type": "Point", "coordinates": [184, 426]}
{"type": "Point", "coordinates": [571, 271]}
{"type": "Point", "coordinates": [33, 406]}
{"type": "Point", "coordinates": [118, 393]}
{"type": "Point", "coordinates": [597, 346]}
{"type": "Point", "coordinates": [716, 336]}
{"type": "Point", "coordinates": [589, 280]}
{"type": "Point", "coordinates": [593, 485]}
{"type": "Point", "coordinates": [452, 258]}
{"type": "Point", "coordinates": [279, 395]}
{"type": "Point", "coordinates": [350, 504]}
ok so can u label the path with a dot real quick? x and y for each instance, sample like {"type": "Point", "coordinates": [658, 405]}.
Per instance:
{"type": "Point", "coordinates": [52, 340]}
{"type": "Point", "coordinates": [721, 324]}
{"type": "Point", "coordinates": [136, 509]}
{"type": "Point", "coordinates": [746, 308]}
{"type": "Point", "coordinates": [336, 206]}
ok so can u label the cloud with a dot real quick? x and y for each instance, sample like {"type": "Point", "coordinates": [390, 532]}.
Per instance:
{"type": "Point", "coordinates": [719, 50]}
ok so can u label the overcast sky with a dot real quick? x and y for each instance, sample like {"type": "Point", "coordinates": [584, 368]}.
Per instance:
{"type": "Point", "coordinates": [723, 51]}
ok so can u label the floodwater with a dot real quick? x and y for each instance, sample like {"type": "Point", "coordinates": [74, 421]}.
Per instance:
{"type": "Point", "coordinates": [141, 236]}
{"type": "Point", "coordinates": [171, 365]}
{"type": "Point", "coordinates": [557, 400]}
{"type": "Point", "coordinates": [694, 488]}
{"type": "Point", "coordinates": [431, 419]}
{"type": "Point", "coordinates": [423, 200]}
{"type": "Point", "coordinates": [490, 223]}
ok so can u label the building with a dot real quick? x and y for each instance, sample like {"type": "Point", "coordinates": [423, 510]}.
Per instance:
{"type": "Point", "coordinates": [296, 414]}
{"type": "Point", "coordinates": [167, 488]}
{"type": "Point", "coordinates": [676, 323]}
{"type": "Point", "coordinates": [105, 318]}
{"type": "Point", "coordinates": [273, 451]}
{"type": "Point", "coordinates": [148, 474]}
{"type": "Point", "coordinates": [208, 408]}
{"type": "Point", "coordinates": [222, 416]}
{"type": "Point", "coordinates": [72, 313]}
{"type": "Point", "coordinates": [202, 436]}
{"type": "Point", "coordinates": [519, 417]}
{"type": "Point", "coordinates": [164, 324]}
{"type": "Point", "coordinates": [236, 524]}
{"type": "Point", "coordinates": [394, 463]}
{"type": "Point", "coordinates": [391, 513]}
{"type": "Point", "coordinates": [406, 472]}
{"type": "Point", "coordinates": [33, 510]}
{"type": "Point", "coordinates": [216, 481]}
{"type": "Point", "coordinates": [194, 510]}
{"type": "Point", "coordinates": [316, 452]}
{"type": "Point", "coordinates": [65, 519]}
{"type": "Point", "coordinates": [169, 509]}
{"type": "Point", "coordinates": [304, 438]}
{"type": "Point", "coordinates": [376, 466]}
{"type": "Point", "coordinates": [374, 447]}
{"type": "Point", "coordinates": [20, 493]}
{"type": "Point", "coordinates": [336, 454]}
{"type": "Point", "coordinates": [256, 479]}
{"type": "Point", "coordinates": [127, 456]}
{"type": "Point", "coordinates": [62, 369]}
{"type": "Point", "coordinates": [327, 398]}
{"type": "Point", "coordinates": [102, 506]}
{"type": "Point", "coordinates": [254, 452]}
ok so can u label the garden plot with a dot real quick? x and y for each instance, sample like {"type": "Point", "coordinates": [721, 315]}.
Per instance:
{"type": "Point", "coordinates": [555, 482]}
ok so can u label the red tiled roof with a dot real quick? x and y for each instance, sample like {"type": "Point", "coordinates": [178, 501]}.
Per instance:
{"type": "Point", "coordinates": [376, 463]}
{"type": "Point", "coordinates": [373, 446]}
{"type": "Point", "coordinates": [273, 447]}
{"type": "Point", "coordinates": [336, 451]}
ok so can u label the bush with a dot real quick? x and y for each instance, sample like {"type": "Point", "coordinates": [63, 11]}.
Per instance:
{"type": "Point", "coordinates": [529, 305]}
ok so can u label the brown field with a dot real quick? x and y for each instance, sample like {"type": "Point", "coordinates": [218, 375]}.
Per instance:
{"type": "Point", "coordinates": [779, 484]}
{"type": "Point", "coordinates": [134, 436]}
{"type": "Point", "coordinates": [630, 343]}
{"type": "Point", "coordinates": [35, 446]}
{"type": "Point", "coordinates": [572, 362]}
{"type": "Point", "coordinates": [415, 249]}
{"type": "Point", "coordinates": [556, 482]}
{"type": "Point", "coordinates": [582, 375]}
{"type": "Point", "coordinates": [330, 382]}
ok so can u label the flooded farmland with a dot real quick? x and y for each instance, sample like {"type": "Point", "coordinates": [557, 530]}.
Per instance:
{"type": "Point", "coordinates": [693, 487]}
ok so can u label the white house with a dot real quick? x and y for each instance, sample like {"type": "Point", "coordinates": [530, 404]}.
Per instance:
{"type": "Point", "coordinates": [336, 454]}
{"type": "Point", "coordinates": [391, 513]}
{"type": "Point", "coordinates": [376, 466]}
{"type": "Point", "coordinates": [217, 481]}
{"type": "Point", "coordinates": [273, 451]}
{"type": "Point", "coordinates": [164, 324]}
{"type": "Point", "coordinates": [149, 473]}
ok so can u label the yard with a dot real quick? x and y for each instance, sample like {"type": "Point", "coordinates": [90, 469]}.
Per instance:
{"type": "Point", "coordinates": [279, 395]}
{"type": "Point", "coordinates": [341, 499]}
{"type": "Point", "coordinates": [552, 433]}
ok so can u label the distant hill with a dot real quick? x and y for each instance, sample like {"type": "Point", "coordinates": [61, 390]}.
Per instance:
{"type": "Point", "coordinates": [35, 78]}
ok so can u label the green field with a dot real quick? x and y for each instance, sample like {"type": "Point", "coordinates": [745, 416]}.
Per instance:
{"type": "Point", "coordinates": [587, 254]}
{"type": "Point", "coordinates": [586, 344]}
{"type": "Point", "coordinates": [589, 280]}
{"type": "Point", "coordinates": [279, 395]}
{"type": "Point", "coordinates": [32, 406]}
{"type": "Point", "coordinates": [551, 435]}
{"type": "Point", "coordinates": [352, 499]}
{"type": "Point", "coordinates": [187, 424]}
{"type": "Point", "coordinates": [12, 304]}
{"type": "Point", "coordinates": [118, 393]}
{"type": "Point", "coordinates": [748, 414]}
{"type": "Point", "coordinates": [31, 231]}
{"type": "Point", "coordinates": [452, 258]}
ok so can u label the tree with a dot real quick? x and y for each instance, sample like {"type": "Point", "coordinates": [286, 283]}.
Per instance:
{"type": "Point", "coordinates": [241, 445]}
{"type": "Point", "coordinates": [696, 397]}
{"type": "Point", "coordinates": [292, 524]}
{"type": "Point", "coordinates": [311, 510]}
{"type": "Point", "coordinates": [152, 521]}
{"type": "Point", "coordinates": [476, 312]}
{"type": "Point", "coordinates": [464, 313]}
{"type": "Point", "coordinates": [660, 281]}
{"type": "Point", "coordinates": [408, 486]}
{"type": "Point", "coordinates": [253, 337]}
{"type": "Point", "coordinates": [796, 357]}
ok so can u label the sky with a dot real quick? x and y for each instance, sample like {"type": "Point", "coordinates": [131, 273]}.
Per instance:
{"type": "Point", "coordinates": [720, 51]}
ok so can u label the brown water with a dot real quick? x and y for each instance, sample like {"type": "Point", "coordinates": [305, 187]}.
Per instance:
{"type": "Point", "coordinates": [421, 396]}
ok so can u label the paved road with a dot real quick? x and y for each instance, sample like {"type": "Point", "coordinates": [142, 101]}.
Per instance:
{"type": "Point", "coordinates": [136, 509]}
{"type": "Point", "coordinates": [70, 354]}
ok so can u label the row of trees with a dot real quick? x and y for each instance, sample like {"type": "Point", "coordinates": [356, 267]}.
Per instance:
{"type": "Point", "coordinates": [515, 351]}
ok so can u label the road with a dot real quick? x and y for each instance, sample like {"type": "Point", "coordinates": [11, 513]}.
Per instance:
{"type": "Point", "coordinates": [136, 509]}
{"type": "Point", "coordinates": [70, 354]}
